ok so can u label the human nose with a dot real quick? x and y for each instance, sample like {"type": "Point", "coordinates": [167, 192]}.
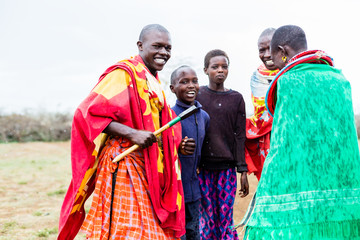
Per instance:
{"type": "Point", "coordinates": [267, 53]}
{"type": "Point", "coordinates": [191, 84]}
{"type": "Point", "coordinates": [163, 50]}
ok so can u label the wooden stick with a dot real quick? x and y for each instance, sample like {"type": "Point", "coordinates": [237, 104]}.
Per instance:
{"type": "Point", "coordinates": [188, 112]}
{"type": "Point", "coordinates": [134, 147]}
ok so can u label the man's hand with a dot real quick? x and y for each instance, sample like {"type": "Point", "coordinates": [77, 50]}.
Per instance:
{"type": "Point", "coordinates": [142, 138]}
{"type": "Point", "coordinates": [244, 190]}
{"type": "Point", "coordinates": [187, 146]}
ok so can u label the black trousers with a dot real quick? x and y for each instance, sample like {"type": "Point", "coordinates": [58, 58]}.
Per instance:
{"type": "Point", "coordinates": [192, 215]}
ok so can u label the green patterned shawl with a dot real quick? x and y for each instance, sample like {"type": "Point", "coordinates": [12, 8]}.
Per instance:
{"type": "Point", "coordinates": [310, 185]}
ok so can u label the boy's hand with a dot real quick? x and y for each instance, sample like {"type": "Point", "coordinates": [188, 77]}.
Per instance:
{"type": "Point", "coordinates": [244, 191]}
{"type": "Point", "coordinates": [187, 146]}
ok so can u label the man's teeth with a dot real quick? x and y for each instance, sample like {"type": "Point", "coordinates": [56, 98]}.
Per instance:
{"type": "Point", "coordinates": [160, 60]}
{"type": "Point", "coordinates": [270, 62]}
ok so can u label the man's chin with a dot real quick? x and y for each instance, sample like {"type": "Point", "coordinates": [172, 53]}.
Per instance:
{"type": "Point", "coordinates": [159, 67]}
{"type": "Point", "coordinates": [271, 67]}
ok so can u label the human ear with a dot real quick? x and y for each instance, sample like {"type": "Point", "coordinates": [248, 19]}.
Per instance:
{"type": "Point", "coordinates": [205, 70]}
{"type": "Point", "coordinates": [140, 46]}
{"type": "Point", "coordinates": [172, 88]}
{"type": "Point", "coordinates": [282, 51]}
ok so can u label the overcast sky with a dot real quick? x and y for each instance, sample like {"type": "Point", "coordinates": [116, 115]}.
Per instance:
{"type": "Point", "coordinates": [53, 52]}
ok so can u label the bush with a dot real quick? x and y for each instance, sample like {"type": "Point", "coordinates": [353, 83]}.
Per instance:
{"type": "Point", "coordinates": [35, 127]}
{"type": "Point", "coordinates": [49, 127]}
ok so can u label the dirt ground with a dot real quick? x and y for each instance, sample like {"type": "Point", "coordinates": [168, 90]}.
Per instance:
{"type": "Point", "coordinates": [33, 180]}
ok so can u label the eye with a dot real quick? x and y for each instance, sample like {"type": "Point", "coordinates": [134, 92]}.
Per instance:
{"type": "Point", "coordinates": [225, 67]}
{"type": "Point", "coordinates": [183, 81]}
{"type": "Point", "coordinates": [168, 48]}
{"type": "Point", "coordinates": [156, 46]}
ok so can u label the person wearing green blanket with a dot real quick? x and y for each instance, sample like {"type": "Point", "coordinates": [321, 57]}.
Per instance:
{"type": "Point", "coordinates": [310, 184]}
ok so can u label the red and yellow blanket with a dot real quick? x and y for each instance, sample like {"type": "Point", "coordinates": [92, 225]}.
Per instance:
{"type": "Point", "coordinates": [129, 102]}
{"type": "Point", "coordinates": [258, 126]}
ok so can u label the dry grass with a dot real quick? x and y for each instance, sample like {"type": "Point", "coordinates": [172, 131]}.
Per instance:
{"type": "Point", "coordinates": [34, 177]}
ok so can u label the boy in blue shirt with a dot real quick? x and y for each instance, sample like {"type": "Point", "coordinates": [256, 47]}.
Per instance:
{"type": "Point", "coordinates": [184, 83]}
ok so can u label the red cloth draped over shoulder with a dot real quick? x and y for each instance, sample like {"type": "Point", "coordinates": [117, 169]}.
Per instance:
{"type": "Point", "coordinates": [129, 105]}
{"type": "Point", "coordinates": [310, 56]}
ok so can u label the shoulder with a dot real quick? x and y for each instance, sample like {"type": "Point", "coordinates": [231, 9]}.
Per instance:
{"type": "Point", "coordinates": [202, 94]}
{"type": "Point", "coordinates": [118, 73]}
{"type": "Point", "coordinates": [254, 75]}
{"type": "Point", "coordinates": [204, 114]}
{"type": "Point", "coordinates": [202, 89]}
{"type": "Point", "coordinates": [177, 109]}
{"type": "Point", "coordinates": [235, 94]}
{"type": "Point", "coordinates": [115, 79]}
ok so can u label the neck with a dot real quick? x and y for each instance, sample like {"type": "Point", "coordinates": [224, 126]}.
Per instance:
{"type": "Point", "coordinates": [153, 72]}
{"type": "Point", "coordinates": [141, 59]}
{"type": "Point", "coordinates": [292, 53]}
{"type": "Point", "coordinates": [219, 87]}
{"type": "Point", "coordinates": [187, 103]}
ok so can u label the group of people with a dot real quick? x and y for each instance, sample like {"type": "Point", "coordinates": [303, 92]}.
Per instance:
{"type": "Point", "coordinates": [301, 144]}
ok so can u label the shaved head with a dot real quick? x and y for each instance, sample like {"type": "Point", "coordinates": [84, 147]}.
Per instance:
{"type": "Point", "coordinates": [175, 73]}
{"type": "Point", "coordinates": [286, 42]}
{"type": "Point", "coordinates": [149, 28]}
{"type": "Point", "coordinates": [269, 32]}
{"type": "Point", "coordinates": [289, 35]}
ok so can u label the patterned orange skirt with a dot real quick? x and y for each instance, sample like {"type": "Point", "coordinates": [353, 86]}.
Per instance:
{"type": "Point", "coordinates": [132, 215]}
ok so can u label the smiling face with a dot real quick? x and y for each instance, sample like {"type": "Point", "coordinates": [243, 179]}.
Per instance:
{"type": "Point", "coordinates": [155, 50]}
{"type": "Point", "coordinates": [217, 70]}
{"type": "Point", "coordinates": [264, 52]}
{"type": "Point", "coordinates": [277, 55]}
{"type": "Point", "coordinates": [185, 85]}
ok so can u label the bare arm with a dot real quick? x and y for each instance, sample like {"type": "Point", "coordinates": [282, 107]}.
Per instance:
{"type": "Point", "coordinates": [244, 190]}
{"type": "Point", "coordinates": [142, 138]}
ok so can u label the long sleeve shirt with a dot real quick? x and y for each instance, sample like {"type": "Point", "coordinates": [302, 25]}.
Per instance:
{"type": "Point", "coordinates": [193, 127]}
{"type": "Point", "coordinates": [224, 145]}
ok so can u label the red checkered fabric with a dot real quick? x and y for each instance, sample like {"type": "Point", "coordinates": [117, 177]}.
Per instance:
{"type": "Point", "coordinates": [133, 216]}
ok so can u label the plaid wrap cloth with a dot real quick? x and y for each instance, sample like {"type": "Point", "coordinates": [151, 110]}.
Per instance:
{"type": "Point", "coordinates": [131, 101]}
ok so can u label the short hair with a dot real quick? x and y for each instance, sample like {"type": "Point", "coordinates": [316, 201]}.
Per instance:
{"type": "Point", "coordinates": [149, 28]}
{"type": "Point", "coordinates": [267, 32]}
{"type": "Point", "coordinates": [175, 75]}
{"type": "Point", "coordinates": [214, 53]}
{"type": "Point", "coordinates": [290, 35]}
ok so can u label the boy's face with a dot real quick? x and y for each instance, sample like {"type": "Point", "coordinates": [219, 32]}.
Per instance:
{"type": "Point", "coordinates": [186, 86]}
{"type": "Point", "coordinates": [217, 70]}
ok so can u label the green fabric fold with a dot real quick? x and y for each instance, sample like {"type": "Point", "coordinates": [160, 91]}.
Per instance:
{"type": "Point", "coordinates": [325, 231]}
{"type": "Point", "coordinates": [310, 185]}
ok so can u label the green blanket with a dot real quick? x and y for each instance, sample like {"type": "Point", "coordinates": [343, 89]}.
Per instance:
{"type": "Point", "coordinates": [310, 185]}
